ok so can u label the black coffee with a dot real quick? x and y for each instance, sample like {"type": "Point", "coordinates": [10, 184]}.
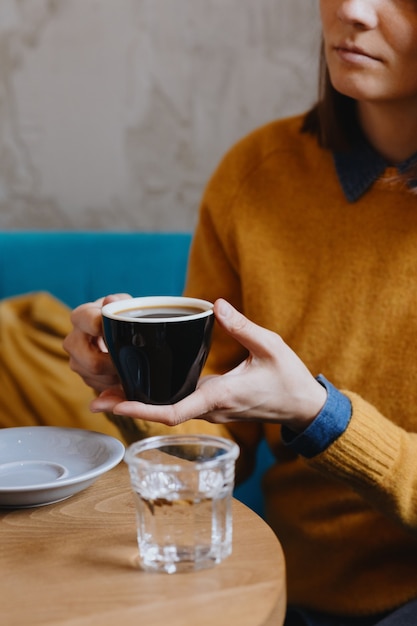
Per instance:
{"type": "Point", "coordinates": [159, 312]}
{"type": "Point", "coordinates": [159, 361]}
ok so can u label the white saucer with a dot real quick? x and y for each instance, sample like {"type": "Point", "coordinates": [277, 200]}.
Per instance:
{"type": "Point", "coordinates": [44, 464]}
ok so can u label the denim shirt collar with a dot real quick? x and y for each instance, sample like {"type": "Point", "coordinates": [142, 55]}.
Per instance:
{"type": "Point", "coordinates": [358, 168]}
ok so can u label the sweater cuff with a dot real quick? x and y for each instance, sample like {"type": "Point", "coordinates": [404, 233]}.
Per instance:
{"type": "Point", "coordinates": [329, 424]}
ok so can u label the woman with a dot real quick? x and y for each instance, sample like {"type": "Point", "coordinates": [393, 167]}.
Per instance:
{"type": "Point", "coordinates": [309, 227]}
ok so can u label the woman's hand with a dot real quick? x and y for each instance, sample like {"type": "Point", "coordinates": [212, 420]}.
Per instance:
{"type": "Point", "coordinates": [86, 348]}
{"type": "Point", "coordinates": [272, 384]}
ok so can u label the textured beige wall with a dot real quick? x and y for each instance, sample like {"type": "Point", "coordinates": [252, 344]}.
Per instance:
{"type": "Point", "coordinates": [113, 113]}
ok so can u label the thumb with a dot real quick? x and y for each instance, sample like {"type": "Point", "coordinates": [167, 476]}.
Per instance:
{"type": "Point", "coordinates": [252, 337]}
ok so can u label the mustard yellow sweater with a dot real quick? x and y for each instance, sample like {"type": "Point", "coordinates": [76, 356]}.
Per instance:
{"type": "Point", "coordinates": [338, 281]}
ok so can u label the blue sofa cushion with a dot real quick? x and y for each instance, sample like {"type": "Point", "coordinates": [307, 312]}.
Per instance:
{"type": "Point", "coordinates": [79, 267]}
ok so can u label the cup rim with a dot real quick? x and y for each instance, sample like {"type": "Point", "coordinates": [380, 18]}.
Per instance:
{"type": "Point", "coordinates": [231, 453]}
{"type": "Point", "coordinates": [109, 310]}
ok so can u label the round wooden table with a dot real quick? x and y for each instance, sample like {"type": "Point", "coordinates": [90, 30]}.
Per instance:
{"type": "Point", "coordinates": [73, 563]}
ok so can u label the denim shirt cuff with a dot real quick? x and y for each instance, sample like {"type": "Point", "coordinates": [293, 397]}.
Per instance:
{"type": "Point", "coordinates": [329, 424]}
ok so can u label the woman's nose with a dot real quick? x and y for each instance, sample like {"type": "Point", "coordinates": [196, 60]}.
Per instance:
{"type": "Point", "coordinates": [359, 13]}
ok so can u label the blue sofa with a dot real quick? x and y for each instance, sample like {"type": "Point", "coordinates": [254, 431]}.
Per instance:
{"type": "Point", "coordinates": [78, 267]}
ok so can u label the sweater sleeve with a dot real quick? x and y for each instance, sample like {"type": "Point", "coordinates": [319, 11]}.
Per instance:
{"type": "Point", "coordinates": [378, 459]}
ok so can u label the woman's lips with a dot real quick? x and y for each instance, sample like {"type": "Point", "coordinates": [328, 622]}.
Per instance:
{"type": "Point", "coordinates": [353, 54]}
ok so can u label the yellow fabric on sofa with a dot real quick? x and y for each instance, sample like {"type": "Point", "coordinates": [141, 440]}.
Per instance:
{"type": "Point", "coordinates": [37, 386]}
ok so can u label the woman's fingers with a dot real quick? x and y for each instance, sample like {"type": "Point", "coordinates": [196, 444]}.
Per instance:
{"type": "Point", "coordinates": [199, 404]}
{"type": "Point", "coordinates": [85, 345]}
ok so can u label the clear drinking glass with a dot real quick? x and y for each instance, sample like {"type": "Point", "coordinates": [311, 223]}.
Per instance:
{"type": "Point", "coordinates": [183, 489]}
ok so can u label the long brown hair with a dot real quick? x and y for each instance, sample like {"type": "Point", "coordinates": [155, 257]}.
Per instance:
{"type": "Point", "coordinates": [333, 121]}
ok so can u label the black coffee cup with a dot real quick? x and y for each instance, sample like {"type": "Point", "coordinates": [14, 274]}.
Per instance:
{"type": "Point", "coordinates": [158, 344]}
